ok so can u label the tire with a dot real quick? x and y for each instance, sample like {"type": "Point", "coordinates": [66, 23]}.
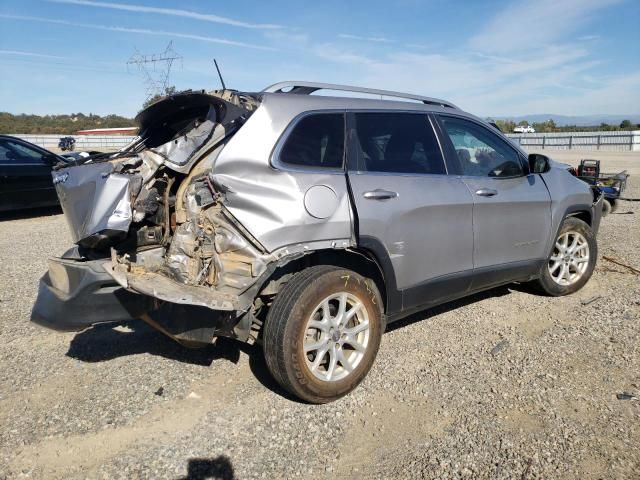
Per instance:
{"type": "Point", "coordinates": [606, 207]}
{"type": "Point", "coordinates": [614, 204]}
{"type": "Point", "coordinates": [567, 271]}
{"type": "Point", "coordinates": [298, 320]}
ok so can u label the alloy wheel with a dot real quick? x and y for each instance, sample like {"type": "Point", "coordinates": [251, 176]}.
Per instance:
{"type": "Point", "coordinates": [570, 258]}
{"type": "Point", "coordinates": [336, 336]}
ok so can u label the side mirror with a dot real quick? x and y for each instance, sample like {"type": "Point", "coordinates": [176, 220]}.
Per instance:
{"type": "Point", "coordinates": [538, 163]}
{"type": "Point", "coordinates": [51, 158]}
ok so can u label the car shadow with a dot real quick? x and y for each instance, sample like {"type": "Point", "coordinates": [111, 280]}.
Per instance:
{"type": "Point", "coordinates": [105, 342]}
{"type": "Point", "coordinates": [451, 306]}
{"type": "Point", "coordinates": [218, 468]}
{"type": "Point", "coordinates": [30, 213]}
{"type": "Point", "coordinates": [109, 341]}
{"type": "Point", "coordinates": [258, 366]}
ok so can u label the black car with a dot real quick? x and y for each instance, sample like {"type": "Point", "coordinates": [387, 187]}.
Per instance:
{"type": "Point", "coordinates": [25, 175]}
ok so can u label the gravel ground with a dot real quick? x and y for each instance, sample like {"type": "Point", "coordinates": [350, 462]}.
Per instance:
{"type": "Point", "coordinates": [502, 385]}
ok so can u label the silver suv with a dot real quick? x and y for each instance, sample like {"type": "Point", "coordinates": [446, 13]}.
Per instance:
{"type": "Point", "coordinates": [305, 223]}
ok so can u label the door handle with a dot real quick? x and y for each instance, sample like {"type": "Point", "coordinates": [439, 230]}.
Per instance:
{"type": "Point", "coordinates": [486, 192]}
{"type": "Point", "coordinates": [379, 194]}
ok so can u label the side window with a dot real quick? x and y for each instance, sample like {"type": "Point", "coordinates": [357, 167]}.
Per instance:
{"type": "Point", "coordinates": [480, 152]}
{"type": "Point", "coordinates": [398, 143]}
{"type": "Point", "coordinates": [316, 141]}
{"type": "Point", "coordinates": [5, 156]}
{"type": "Point", "coordinates": [22, 153]}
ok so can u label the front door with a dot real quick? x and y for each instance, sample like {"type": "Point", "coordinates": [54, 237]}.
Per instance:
{"type": "Point", "coordinates": [409, 211]}
{"type": "Point", "coordinates": [25, 176]}
{"type": "Point", "coordinates": [511, 208]}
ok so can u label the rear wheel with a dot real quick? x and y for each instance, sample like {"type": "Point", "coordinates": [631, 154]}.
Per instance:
{"type": "Point", "coordinates": [606, 207]}
{"type": "Point", "coordinates": [322, 333]}
{"type": "Point", "coordinates": [572, 259]}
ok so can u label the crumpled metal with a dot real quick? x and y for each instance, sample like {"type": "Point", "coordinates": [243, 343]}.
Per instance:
{"type": "Point", "coordinates": [94, 199]}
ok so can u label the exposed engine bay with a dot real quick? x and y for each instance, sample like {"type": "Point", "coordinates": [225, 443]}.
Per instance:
{"type": "Point", "coordinates": [154, 213]}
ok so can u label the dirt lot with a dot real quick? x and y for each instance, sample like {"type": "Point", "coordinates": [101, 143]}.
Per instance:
{"type": "Point", "coordinates": [505, 384]}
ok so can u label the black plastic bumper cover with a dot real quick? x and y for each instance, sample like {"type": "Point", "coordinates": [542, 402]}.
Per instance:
{"type": "Point", "coordinates": [596, 213]}
{"type": "Point", "coordinates": [76, 294]}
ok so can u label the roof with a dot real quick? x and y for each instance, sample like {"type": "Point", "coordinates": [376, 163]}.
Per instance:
{"type": "Point", "coordinates": [307, 88]}
{"type": "Point", "coordinates": [297, 97]}
{"type": "Point", "coordinates": [289, 105]}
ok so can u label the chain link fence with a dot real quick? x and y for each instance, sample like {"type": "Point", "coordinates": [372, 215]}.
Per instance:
{"type": "Point", "coordinates": [102, 143]}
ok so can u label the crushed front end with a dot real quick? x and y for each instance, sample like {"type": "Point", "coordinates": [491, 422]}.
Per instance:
{"type": "Point", "coordinates": [153, 237]}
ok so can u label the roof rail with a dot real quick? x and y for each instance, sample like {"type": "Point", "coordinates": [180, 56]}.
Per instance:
{"type": "Point", "coordinates": [307, 88]}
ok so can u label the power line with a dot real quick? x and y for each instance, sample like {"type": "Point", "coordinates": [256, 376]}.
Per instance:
{"type": "Point", "coordinates": [155, 68]}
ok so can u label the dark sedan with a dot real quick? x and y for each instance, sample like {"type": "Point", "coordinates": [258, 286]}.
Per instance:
{"type": "Point", "coordinates": [25, 175]}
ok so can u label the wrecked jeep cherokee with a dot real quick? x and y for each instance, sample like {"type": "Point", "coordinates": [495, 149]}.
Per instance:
{"type": "Point", "coordinates": [306, 223]}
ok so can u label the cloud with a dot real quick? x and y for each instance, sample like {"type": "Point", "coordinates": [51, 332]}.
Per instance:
{"type": "Point", "coordinates": [338, 54]}
{"type": "Point", "coordinates": [419, 46]}
{"type": "Point", "coordinates": [173, 12]}
{"type": "Point", "coordinates": [348, 36]}
{"type": "Point", "coordinates": [589, 38]}
{"type": "Point", "coordinates": [554, 79]}
{"type": "Point", "coordinates": [32, 54]}
{"type": "Point", "coordinates": [611, 95]}
{"type": "Point", "coordinates": [288, 38]}
{"type": "Point", "coordinates": [141, 31]}
{"type": "Point", "coordinates": [525, 25]}
{"type": "Point", "coordinates": [506, 68]}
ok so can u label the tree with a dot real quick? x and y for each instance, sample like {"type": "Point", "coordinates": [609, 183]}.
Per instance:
{"type": "Point", "coordinates": [170, 90]}
{"type": "Point", "coordinates": [506, 126]}
{"type": "Point", "coordinates": [626, 125]}
{"type": "Point", "coordinates": [545, 127]}
{"type": "Point", "coordinates": [59, 124]}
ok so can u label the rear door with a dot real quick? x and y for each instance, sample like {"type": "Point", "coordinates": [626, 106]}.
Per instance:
{"type": "Point", "coordinates": [415, 217]}
{"type": "Point", "coordinates": [512, 208]}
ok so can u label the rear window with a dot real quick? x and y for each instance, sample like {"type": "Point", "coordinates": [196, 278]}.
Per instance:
{"type": "Point", "coordinates": [398, 143]}
{"type": "Point", "coordinates": [316, 141]}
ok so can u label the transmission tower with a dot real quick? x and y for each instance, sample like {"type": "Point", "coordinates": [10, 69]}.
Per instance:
{"type": "Point", "coordinates": [155, 69]}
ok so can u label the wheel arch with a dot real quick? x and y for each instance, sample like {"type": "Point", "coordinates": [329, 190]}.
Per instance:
{"type": "Point", "coordinates": [581, 213]}
{"type": "Point", "coordinates": [359, 260]}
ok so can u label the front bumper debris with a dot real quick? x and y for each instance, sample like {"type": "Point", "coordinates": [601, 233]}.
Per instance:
{"type": "Point", "coordinates": [74, 295]}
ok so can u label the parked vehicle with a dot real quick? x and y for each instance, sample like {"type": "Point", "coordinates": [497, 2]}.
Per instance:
{"type": "Point", "coordinates": [67, 144]}
{"type": "Point", "coordinates": [612, 185]}
{"type": "Point", "coordinates": [307, 223]}
{"type": "Point", "coordinates": [524, 129]}
{"type": "Point", "coordinates": [25, 175]}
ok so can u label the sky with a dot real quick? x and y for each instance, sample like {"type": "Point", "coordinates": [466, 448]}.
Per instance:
{"type": "Point", "coordinates": [492, 58]}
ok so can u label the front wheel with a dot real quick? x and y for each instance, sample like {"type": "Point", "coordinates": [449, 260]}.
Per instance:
{"type": "Point", "coordinates": [322, 333]}
{"type": "Point", "coordinates": [572, 259]}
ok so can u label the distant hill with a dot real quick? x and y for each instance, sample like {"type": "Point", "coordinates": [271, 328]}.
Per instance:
{"type": "Point", "coordinates": [62, 124]}
{"type": "Point", "coordinates": [578, 120]}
